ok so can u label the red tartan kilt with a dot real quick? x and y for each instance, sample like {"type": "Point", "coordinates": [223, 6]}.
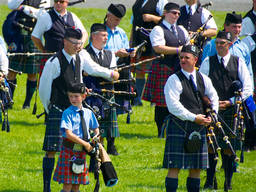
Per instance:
{"type": "Point", "coordinates": [63, 172]}
{"type": "Point", "coordinates": [154, 89]}
{"type": "Point", "coordinates": [143, 68]}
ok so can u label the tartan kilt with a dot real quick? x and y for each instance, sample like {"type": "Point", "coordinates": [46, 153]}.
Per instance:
{"type": "Point", "coordinates": [154, 88]}
{"type": "Point", "coordinates": [63, 172]}
{"type": "Point", "coordinates": [53, 138]}
{"type": "Point", "coordinates": [175, 155]}
{"type": "Point", "coordinates": [108, 125]}
{"type": "Point", "coordinates": [25, 64]}
{"type": "Point", "coordinates": [228, 116]}
{"type": "Point", "coordinates": [142, 68]}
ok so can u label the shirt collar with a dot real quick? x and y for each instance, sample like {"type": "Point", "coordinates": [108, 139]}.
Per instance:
{"type": "Point", "coordinates": [225, 58]}
{"type": "Point", "coordinates": [96, 50]}
{"type": "Point", "coordinates": [193, 8]}
{"type": "Point", "coordinates": [75, 108]}
{"type": "Point", "coordinates": [60, 14]}
{"type": "Point", "coordinates": [68, 57]}
{"type": "Point", "coordinates": [187, 74]}
{"type": "Point", "coordinates": [168, 25]}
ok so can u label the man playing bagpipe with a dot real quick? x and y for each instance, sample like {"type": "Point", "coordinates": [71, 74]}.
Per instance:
{"type": "Point", "coordinates": [186, 144]}
{"type": "Point", "coordinates": [106, 59]}
{"type": "Point", "coordinates": [60, 72]}
{"type": "Point", "coordinates": [17, 31]}
{"type": "Point", "coordinates": [223, 69]}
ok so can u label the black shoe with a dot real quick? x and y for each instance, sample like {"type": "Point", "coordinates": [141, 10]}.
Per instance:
{"type": "Point", "coordinates": [25, 106]}
{"type": "Point", "coordinates": [112, 150]}
{"type": "Point", "coordinates": [227, 186]}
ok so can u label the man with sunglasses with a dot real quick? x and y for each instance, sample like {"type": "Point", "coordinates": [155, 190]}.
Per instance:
{"type": "Point", "coordinates": [27, 13]}
{"type": "Point", "coordinates": [193, 16]}
{"type": "Point", "coordinates": [166, 38]}
{"type": "Point", "coordinates": [51, 26]}
{"type": "Point", "coordinates": [59, 73]}
{"type": "Point", "coordinates": [224, 68]}
{"type": "Point", "coordinates": [187, 119]}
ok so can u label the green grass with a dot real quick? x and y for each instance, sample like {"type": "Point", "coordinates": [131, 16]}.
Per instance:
{"type": "Point", "coordinates": [141, 153]}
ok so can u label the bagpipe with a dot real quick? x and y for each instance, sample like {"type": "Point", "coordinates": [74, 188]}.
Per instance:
{"type": "Point", "coordinates": [103, 164]}
{"type": "Point", "coordinates": [216, 126]}
{"type": "Point", "coordinates": [5, 102]}
{"type": "Point", "coordinates": [206, 5]}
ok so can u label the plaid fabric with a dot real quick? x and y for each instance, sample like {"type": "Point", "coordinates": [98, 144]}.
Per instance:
{"type": "Point", "coordinates": [154, 89]}
{"type": "Point", "coordinates": [175, 155]}
{"type": "Point", "coordinates": [24, 63]}
{"type": "Point", "coordinates": [228, 117]}
{"type": "Point", "coordinates": [143, 68]}
{"type": "Point", "coordinates": [108, 125]}
{"type": "Point", "coordinates": [52, 138]}
{"type": "Point", "coordinates": [63, 172]}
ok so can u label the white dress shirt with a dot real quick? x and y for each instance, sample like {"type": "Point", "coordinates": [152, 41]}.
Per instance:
{"type": "Point", "coordinates": [157, 34]}
{"type": "Point", "coordinates": [243, 74]}
{"type": "Point", "coordinates": [4, 62]}
{"type": "Point", "coordinates": [248, 27]}
{"type": "Point", "coordinates": [173, 89]}
{"type": "Point", "coordinates": [249, 42]}
{"type": "Point", "coordinates": [52, 70]}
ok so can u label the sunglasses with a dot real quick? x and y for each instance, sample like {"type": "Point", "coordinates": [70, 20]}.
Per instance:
{"type": "Point", "coordinates": [60, 1]}
{"type": "Point", "coordinates": [175, 12]}
{"type": "Point", "coordinates": [75, 42]}
{"type": "Point", "coordinates": [221, 42]}
{"type": "Point", "coordinates": [184, 57]}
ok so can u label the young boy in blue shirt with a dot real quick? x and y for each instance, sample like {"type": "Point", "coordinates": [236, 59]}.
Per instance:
{"type": "Point", "coordinates": [75, 141]}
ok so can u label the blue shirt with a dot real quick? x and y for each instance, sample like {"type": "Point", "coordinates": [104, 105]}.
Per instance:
{"type": "Point", "coordinates": [117, 39]}
{"type": "Point", "coordinates": [71, 121]}
{"type": "Point", "coordinates": [238, 48]}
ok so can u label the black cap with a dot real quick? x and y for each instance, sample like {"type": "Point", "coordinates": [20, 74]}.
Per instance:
{"type": "Point", "coordinates": [98, 27]}
{"type": "Point", "coordinates": [118, 10]}
{"type": "Point", "coordinates": [190, 49]}
{"type": "Point", "coordinates": [77, 88]}
{"type": "Point", "coordinates": [171, 6]}
{"type": "Point", "coordinates": [233, 18]}
{"type": "Point", "coordinates": [73, 33]}
{"type": "Point", "coordinates": [224, 35]}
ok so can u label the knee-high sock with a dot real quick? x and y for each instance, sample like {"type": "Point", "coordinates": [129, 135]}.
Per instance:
{"type": "Point", "coordinates": [193, 184]}
{"type": "Point", "coordinates": [12, 85]}
{"type": "Point", "coordinates": [48, 166]}
{"type": "Point", "coordinates": [31, 87]}
{"type": "Point", "coordinates": [140, 83]}
{"type": "Point", "coordinates": [171, 184]}
{"type": "Point", "coordinates": [228, 169]}
{"type": "Point", "coordinates": [160, 115]}
{"type": "Point", "coordinates": [211, 170]}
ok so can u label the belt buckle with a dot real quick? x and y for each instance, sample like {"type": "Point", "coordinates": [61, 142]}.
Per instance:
{"type": "Point", "coordinates": [77, 147]}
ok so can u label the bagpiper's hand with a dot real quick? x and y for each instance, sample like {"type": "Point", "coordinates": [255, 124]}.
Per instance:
{"type": "Point", "coordinates": [202, 120]}
{"type": "Point", "coordinates": [115, 75]}
{"type": "Point", "coordinates": [224, 104]}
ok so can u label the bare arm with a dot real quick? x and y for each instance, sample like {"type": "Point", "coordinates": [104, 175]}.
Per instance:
{"type": "Point", "coordinates": [162, 49]}
{"type": "Point", "coordinates": [38, 43]}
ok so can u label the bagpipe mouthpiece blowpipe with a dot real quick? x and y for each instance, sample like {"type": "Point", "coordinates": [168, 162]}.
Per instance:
{"type": "Point", "coordinates": [117, 82]}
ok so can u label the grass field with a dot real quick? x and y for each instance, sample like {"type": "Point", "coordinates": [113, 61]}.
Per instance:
{"type": "Point", "coordinates": [141, 153]}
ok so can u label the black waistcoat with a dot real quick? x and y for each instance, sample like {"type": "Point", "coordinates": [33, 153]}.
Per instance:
{"type": "Point", "coordinates": [253, 55]}
{"type": "Point", "coordinates": [252, 17]}
{"type": "Point", "coordinates": [172, 41]}
{"type": "Point", "coordinates": [25, 19]}
{"type": "Point", "coordinates": [54, 36]}
{"type": "Point", "coordinates": [190, 22]}
{"type": "Point", "coordinates": [222, 78]}
{"type": "Point", "coordinates": [188, 98]}
{"type": "Point", "coordinates": [67, 77]}
{"type": "Point", "coordinates": [138, 11]}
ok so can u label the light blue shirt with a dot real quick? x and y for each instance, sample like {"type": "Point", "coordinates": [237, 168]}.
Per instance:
{"type": "Point", "coordinates": [71, 121]}
{"type": "Point", "coordinates": [238, 48]}
{"type": "Point", "coordinates": [117, 39]}
{"type": "Point", "coordinates": [3, 45]}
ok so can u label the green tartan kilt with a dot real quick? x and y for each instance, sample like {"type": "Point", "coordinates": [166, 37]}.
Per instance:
{"type": "Point", "coordinates": [108, 125]}
{"type": "Point", "coordinates": [228, 116]}
{"type": "Point", "coordinates": [26, 64]}
{"type": "Point", "coordinates": [175, 155]}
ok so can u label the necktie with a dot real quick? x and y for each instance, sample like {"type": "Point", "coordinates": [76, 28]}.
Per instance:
{"type": "Point", "coordinates": [73, 64]}
{"type": "Point", "coordinates": [100, 58]}
{"type": "Point", "coordinates": [192, 82]}
{"type": "Point", "coordinates": [174, 30]}
{"type": "Point", "coordinates": [62, 18]}
{"type": "Point", "coordinates": [189, 11]}
{"type": "Point", "coordinates": [83, 125]}
{"type": "Point", "coordinates": [222, 62]}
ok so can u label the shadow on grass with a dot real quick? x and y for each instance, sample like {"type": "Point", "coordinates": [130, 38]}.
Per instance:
{"type": "Point", "coordinates": [25, 123]}
{"type": "Point", "coordinates": [14, 190]}
{"type": "Point", "coordinates": [35, 153]}
{"type": "Point", "coordinates": [138, 135]}
{"type": "Point", "coordinates": [33, 171]}
{"type": "Point", "coordinates": [151, 187]}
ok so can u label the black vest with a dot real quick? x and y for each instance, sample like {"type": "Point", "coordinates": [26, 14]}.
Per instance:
{"type": "Point", "coordinates": [138, 11]}
{"type": "Point", "coordinates": [252, 17]}
{"type": "Point", "coordinates": [54, 36]}
{"type": "Point", "coordinates": [23, 18]}
{"type": "Point", "coordinates": [253, 55]}
{"type": "Point", "coordinates": [67, 77]}
{"type": "Point", "coordinates": [222, 78]}
{"type": "Point", "coordinates": [188, 98]}
{"type": "Point", "coordinates": [172, 41]}
{"type": "Point", "coordinates": [190, 22]}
